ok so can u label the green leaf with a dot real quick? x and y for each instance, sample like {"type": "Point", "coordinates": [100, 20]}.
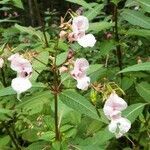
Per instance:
{"type": "Point", "coordinates": [78, 103]}
{"type": "Point", "coordinates": [80, 2]}
{"type": "Point", "coordinates": [138, 32]}
{"type": "Point", "coordinates": [100, 138]}
{"type": "Point", "coordinates": [138, 67]}
{"type": "Point", "coordinates": [32, 31]}
{"type": "Point", "coordinates": [136, 18]}
{"type": "Point", "coordinates": [6, 91]}
{"type": "Point", "coordinates": [35, 103]}
{"type": "Point", "coordinates": [145, 4]}
{"type": "Point", "coordinates": [99, 26]}
{"type": "Point", "coordinates": [144, 90]}
{"type": "Point", "coordinates": [95, 71]}
{"type": "Point", "coordinates": [18, 3]}
{"type": "Point", "coordinates": [5, 111]}
{"type": "Point", "coordinates": [133, 111]}
{"type": "Point", "coordinates": [61, 58]}
{"type": "Point", "coordinates": [91, 14]}
{"type": "Point", "coordinates": [106, 47]}
{"type": "Point", "coordinates": [39, 64]}
{"type": "Point", "coordinates": [4, 140]}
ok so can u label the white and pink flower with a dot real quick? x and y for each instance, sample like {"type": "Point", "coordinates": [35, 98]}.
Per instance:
{"type": "Point", "coordinates": [119, 126]}
{"type": "Point", "coordinates": [113, 108]}
{"type": "Point", "coordinates": [19, 64]}
{"type": "Point", "coordinates": [79, 73]}
{"type": "Point", "coordinates": [80, 25]}
{"type": "Point", "coordinates": [24, 69]}
{"type": "Point", "coordinates": [114, 105]}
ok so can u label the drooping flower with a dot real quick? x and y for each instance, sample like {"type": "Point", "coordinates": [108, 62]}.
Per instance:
{"type": "Point", "coordinates": [1, 62]}
{"type": "Point", "coordinates": [114, 105]}
{"type": "Point", "coordinates": [113, 108]}
{"type": "Point", "coordinates": [19, 64]}
{"type": "Point", "coordinates": [80, 25]}
{"type": "Point", "coordinates": [24, 69]}
{"type": "Point", "coordinates": [119, 126]}
{"type": "Point", "coordinates": [79, 73]}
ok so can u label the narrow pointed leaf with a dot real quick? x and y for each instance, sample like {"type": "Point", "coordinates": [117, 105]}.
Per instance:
{"type": "Point", "coordinates": [78, 103]}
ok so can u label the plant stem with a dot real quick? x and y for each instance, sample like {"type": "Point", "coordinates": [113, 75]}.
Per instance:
{"type": "Point", "coordinates": [11, 136]}
{"type": "Point", "coordinates": [119, 52]}
{"type": "Point", "coordinates": [3, 77]}
{"type": "Point", "coordinates": [56, 91]}
{"type": "Point", "coordinates": [57, 134]}
{"type": "Point", "coordinates": [41, 23]}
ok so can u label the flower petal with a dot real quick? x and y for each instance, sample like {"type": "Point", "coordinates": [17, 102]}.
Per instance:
{"type": "Point", "coordinates": [87, 40]}
{"type": "Point", "coordinates": [79, 24]}
{"type": "Point", "coordinates": [83, 83]}
{"type": "Point", "coordinates": [20, 84]}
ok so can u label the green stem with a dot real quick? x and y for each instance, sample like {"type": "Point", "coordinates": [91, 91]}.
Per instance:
{"type": "Point", "coordinates": [11, 136]}
{"type": "Point", "coordinates": [56, 91]}
{"type": "Point", "coordinates": [3, 77]}
{"type": "Point", "coordinates": [41, 23]}
{"type": "Point", "coordinates": [119, 52]}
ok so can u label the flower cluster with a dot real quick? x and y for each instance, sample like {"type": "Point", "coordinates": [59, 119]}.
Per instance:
{"type": "Point", "coordinates": [79, 26]}
{"type": "Point", "coordinates": [79, 73]}
{"type": "Point", "coordinates": [24, 70]}
{"type": "Point", "coordinates": [113, 107]}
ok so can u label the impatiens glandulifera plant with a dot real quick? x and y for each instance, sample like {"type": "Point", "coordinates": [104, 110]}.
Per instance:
{"type": "Point", "coordinates": [72, 86]}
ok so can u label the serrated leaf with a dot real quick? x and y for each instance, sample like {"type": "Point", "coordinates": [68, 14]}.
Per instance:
{"type": "Point", "coordinates": [91, 14]}
{"type": "Point", "coordinates": [18, 3]}
{"type": "Point", "coordinates": [144, 90]}
{"type": "Point", "coordinates": [39, 64]}
{"type": "Point", "coordinates": [97, 138]}
{"type": "Point", "coordinates": [136, 18]}
{"type": "Point", "coordinates": [138, 67]}
{"type": "Point", "coordinates": [6, 91]}
{"type": "Point", "coordinates": [61, 58]}
{"type": "Point", "coordinates": [106, 47]}
{"type": "Point", "coordinates": [133, 111]}
{"type": "Point", "coordinates": [138, 32]}
{"type": "Point", "coordinates": [80, 2]}
{"type": "Point", "coordinates": [34, 104]}
{"type": "Point", "coordinates": [145, 4]}
{"type": "Point", "coordinates": [99, 26]}
{"type": "Point", "coordinates": [78, 103]}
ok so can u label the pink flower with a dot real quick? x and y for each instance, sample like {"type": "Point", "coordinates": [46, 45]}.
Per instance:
{"type": "Point", "coordinates": [24, 69]}
{"type": "Point", "coordinates": [119, 126]}
{"type": "Point", "coordinates": [19, 64]}
{"type": "Point", "coordinates": [1, 62]}
{"type": "Point", "coordinates": [112, 109]}
{"type": "Point", "coordinates": [79, 26]}
{"type": "Point", "coordinates": [114, 105]}
{"type": "Point", "coordinates": [79, 73]}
